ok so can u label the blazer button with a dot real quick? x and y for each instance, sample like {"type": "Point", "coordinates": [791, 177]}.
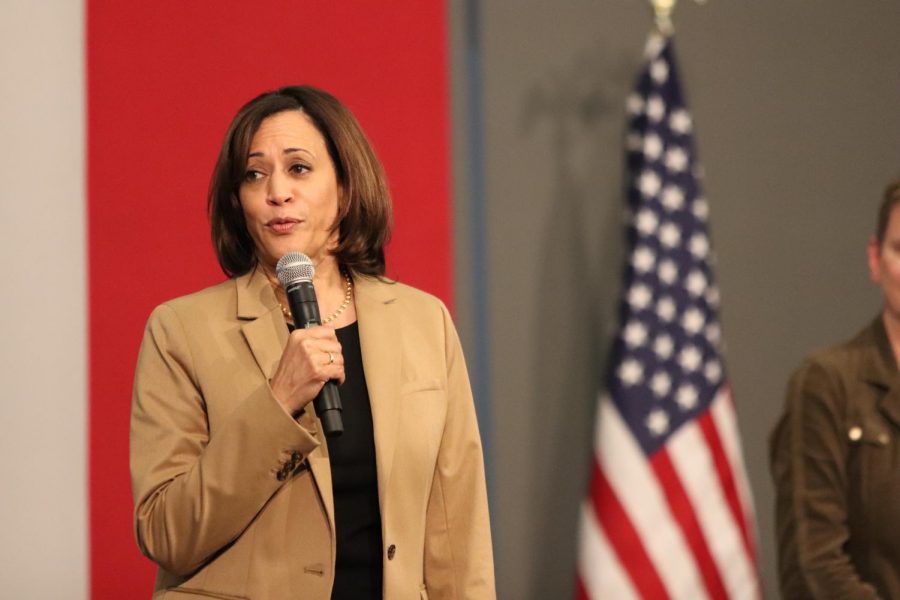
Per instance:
{"type": "Point", "coordinates": [392, 549]}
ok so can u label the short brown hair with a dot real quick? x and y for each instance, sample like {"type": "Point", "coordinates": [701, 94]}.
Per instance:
{"type": "Point", "coordinates": [364, 206]}
{"type": "Point", "coordinates": [890, 199]}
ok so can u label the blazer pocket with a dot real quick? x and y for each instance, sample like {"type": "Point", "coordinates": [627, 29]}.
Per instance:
{"type": "Point", "coordinates": [420, 385]}
{"type": "Point", "coordinates": [193, 594]}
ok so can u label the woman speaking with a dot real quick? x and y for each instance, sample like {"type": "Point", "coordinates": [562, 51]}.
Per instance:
{"type": "Point", "coordinates": [238, 493]}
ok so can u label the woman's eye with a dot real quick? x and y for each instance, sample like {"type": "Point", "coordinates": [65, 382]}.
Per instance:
{"type": "Point", "coordinates": [252, 175]}
{"type": "Point", "coordinates": [299, 168]}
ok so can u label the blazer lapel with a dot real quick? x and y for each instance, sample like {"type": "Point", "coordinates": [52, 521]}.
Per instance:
{"type": "Point", "coordinates": [264, 329]}
{"type": "Point", "coordinates": [881, 370]}
{"type": "Point", "coordinates": [262, 323]}
{"type": "Point", "coordinates": [380, 338]}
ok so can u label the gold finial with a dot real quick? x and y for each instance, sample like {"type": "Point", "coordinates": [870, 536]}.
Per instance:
{"type": "Point", "coordinates": [662, 10]}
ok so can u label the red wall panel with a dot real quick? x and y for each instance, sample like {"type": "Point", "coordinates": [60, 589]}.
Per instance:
{"type": "Point", "coordinates": [164, 79]}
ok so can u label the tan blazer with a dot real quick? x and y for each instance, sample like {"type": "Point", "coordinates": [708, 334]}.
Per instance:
{"type": "Point", "coordinates": [233, 497]}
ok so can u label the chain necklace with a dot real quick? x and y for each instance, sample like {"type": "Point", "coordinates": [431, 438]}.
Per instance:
{"type": "Point", "coordinates": [348, 296]}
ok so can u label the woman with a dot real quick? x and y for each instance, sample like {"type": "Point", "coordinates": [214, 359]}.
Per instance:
{"type": "Point", "coordinates": [237, 492]}
{"type": "Point", "coordinates": [835, 454]}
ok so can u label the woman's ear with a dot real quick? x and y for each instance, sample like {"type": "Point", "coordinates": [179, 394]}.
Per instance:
{"type": "Point", "coordinates": [873, 254]}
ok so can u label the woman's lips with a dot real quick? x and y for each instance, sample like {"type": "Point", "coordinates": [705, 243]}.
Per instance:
{"type": "Point", "coordinates": [282, 225]}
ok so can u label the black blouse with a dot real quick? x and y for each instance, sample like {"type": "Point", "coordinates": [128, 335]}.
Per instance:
{"type": "Point", "coordinates": [358, 570]}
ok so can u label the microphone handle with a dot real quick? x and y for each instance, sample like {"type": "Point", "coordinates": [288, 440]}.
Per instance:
{"type": "Point", "coordinates": [305, 308]}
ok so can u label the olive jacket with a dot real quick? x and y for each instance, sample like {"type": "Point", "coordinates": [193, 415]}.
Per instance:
{"type": "Point", "coordinates": [835, 460]}
{"type": "Point", "coordinates": [233, 496]}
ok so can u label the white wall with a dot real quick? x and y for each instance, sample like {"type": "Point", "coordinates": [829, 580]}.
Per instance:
{"type": "Point", "coordinates": [43, 347]}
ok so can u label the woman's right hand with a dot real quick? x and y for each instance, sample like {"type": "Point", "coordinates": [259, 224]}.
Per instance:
{"type": "Point", "coordinates": [306, 365]}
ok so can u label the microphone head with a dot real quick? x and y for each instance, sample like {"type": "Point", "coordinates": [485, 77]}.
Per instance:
{"type": "Point", "coordinates": [293, 268]}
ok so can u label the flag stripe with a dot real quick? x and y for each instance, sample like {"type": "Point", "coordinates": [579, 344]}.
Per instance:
{"type": "Point", "coordinates": [625, 467]}
{"type": "Point", "coordinates": [580, 591]}
{"type": "Point", "coordinates": [625, 540]}
{"type": "Point", "coordinates": [725, 418]}
{"type": "Point", "coordinates": [610, 582]}
{"type": "Point", "coordinates": [693, 461]}
{"type": "Point", "coordinates": [683, 512]}
{"type": "Point", "coordinates": [725, 474]}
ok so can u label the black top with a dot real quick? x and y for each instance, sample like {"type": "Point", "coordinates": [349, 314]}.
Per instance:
{"type": "Point", "coordinates": [358, 570]}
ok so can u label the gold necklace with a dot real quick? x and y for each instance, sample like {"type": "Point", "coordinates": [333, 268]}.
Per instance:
{"type": "Point", "coordinates": [348, 295]}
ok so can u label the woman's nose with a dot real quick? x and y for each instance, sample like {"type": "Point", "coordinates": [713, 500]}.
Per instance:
{"type": "Point", "coordinates": [279, 191]}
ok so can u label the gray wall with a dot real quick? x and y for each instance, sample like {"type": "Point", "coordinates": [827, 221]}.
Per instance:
{"type": "Point", "coordinates": [798, 125]}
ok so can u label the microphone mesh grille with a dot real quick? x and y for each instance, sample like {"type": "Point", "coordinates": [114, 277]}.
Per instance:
{"type": "Point", "coordinates": [294, 267]}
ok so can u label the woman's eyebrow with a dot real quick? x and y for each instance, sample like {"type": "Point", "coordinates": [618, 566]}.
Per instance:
{"type": "Point", "coordinates": [285, 151]}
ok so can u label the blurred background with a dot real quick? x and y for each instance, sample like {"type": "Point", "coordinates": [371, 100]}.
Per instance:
{"type": "Point", "coordinates": [501, 128]}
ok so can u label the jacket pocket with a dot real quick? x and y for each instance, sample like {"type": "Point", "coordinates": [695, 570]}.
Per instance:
{"type": "Point", "coordinates": [420, 385]}
{"type": "Point", "coordinates": [194, 594]}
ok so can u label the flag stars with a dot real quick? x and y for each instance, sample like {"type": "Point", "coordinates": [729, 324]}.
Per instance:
{"type": "Point", "coordinates": [676, 160]}
{"type": "Point", "coordinates": [693, 321]}
{"type": "Point", "coordinates": [661, 383]}
{"type": "Point", "coordinates": [669, 235]}
{"type": "Point", "coordinates": [672, 197]}
{"type": "Point", "coordinates": [658, 422]}
{"type": "Point", "coordinates": [680, 121]}
{"type": "Point", "coordinates": [667, 271]}
{"type": "Point", "coordinates": [712, 296]}
{"type": "Point", "coordinates": [634, 104]}
{"type": "Point", "coordinates": [712, 371]}
{"type": "Point", "coordinates": [701, 208]}
{"type": "Point", "coordinates": [696, 283]}
{"type": "Point", "coordinates": [699, 245]}
{"type": "Point", "coordinates": [665, 309]}
{"type": "Point", "coordinates": [646, 221]}
{"type": "Point", "coordinates": [649, 184]}
{"type": "Point", "coordinates": [631, 372]}
{"type": "Point", "coordinates": [663, 346]}
{"type": "Point", "coordinates": [653, 147]}
{"type": "Point", "coordinates": [659, 71]}
{"type": "Point", "coordinates": [686, 397]}
{"type": "Point", "coordinates": [713, 334]}
{"type": "Point", "coordinates": [640, 296]}
{"type": "Point", "coordinates": [643, 259]}
{"type": "Point", "coordinates": [635, 334]}
{"type": "Point", "coordinates": [656, 108]}
{"type": "Point", "coordinates": [690, 358]}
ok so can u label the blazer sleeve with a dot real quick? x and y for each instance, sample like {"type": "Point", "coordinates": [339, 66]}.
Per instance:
{"type": "Point", "coordinates": [458, 554]}
{"type": "Point", "coordinates": [809, 452]}
{"type": "Point", "coordinates": [195, 493]}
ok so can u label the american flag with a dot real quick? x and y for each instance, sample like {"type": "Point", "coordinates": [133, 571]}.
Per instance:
{"type": "Point", "coordinates": [669, 512]}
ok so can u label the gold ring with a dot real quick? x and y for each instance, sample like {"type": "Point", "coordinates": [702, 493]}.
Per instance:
{"type": "Point", "coordinates": [330, 358]}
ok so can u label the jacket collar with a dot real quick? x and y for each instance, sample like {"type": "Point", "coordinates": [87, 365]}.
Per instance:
{"type": "Point", "coordinates": [261, 320]}
{"type": "Point", "coordinates": [880, 369]}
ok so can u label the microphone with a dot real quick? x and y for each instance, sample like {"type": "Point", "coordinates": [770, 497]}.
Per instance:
{"type": "Point", "coordinates": [295, 272]}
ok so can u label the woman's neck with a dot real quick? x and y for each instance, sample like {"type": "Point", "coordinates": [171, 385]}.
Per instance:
{"type": "Point", "coordinates": [330, 284]}
{"type": "Point", "coordinates": [892, 327]}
